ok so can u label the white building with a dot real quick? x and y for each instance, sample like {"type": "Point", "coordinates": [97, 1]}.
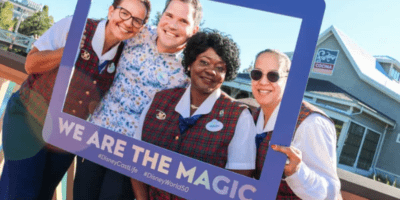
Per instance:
{"type": "Point", "coordinates": [361, 93]}
{"type": "Point", "coordinates": [24, 8]}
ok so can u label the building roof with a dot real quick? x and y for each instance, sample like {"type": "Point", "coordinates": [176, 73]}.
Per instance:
{"type": "Point", "coordinates": [243, 76]}
{"type": "Point", "coordinates": [379, 67]}
{"type": "Point", "coordinates": [30, 5]}
{"type": "Point", "coordinates": [364, 63]}
{"type": "Point", "coordinates": [367, 67]}
{"type": "Point", "coordinates": [326, 88]}
{"type": "Point", "coordinates": [384, 58]}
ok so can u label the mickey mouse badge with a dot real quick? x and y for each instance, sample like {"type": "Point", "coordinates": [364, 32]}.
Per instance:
{"type": "Point", "coordinates": [85, 55]}
{"type": "Point", "coordinates": [160, 115]}
{"type": "Point", "coordinates": [221, 113]}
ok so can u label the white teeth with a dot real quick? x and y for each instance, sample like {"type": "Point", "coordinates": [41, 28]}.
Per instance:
{"type": "Point", "coordinates": [170, 34]}
{"type": "Point", "coordinates": [124, 30]}
{"type": "Point", "coordinates": [207, 79]}
{"type": "Point", "coordinates": [264, 91]}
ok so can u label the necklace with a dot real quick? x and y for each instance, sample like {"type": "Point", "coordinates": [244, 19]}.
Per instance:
{"type": "Point", "coordinates": [193, 107]}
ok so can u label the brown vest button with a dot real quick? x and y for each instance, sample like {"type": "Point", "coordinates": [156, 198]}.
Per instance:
{"type": "Point", "coordinates": [177, 137]}
{"type": "Point", "coordinates": [87, 93]}
{"type": "Point", "coordinates": [95, 82]}
{"type": "Point", "coordinates": [80, 102]}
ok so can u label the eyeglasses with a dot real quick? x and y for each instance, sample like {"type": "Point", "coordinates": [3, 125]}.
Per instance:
{"type": "Point", "coordinates": [126, 15]}
{"type": "Point", "coordinates": [272, 76]}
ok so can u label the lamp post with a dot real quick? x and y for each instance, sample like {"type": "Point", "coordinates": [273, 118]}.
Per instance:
{"type": "Point", "coordinates": [16, 29]}
{"type": "Point", "coordinates": [23, 12]}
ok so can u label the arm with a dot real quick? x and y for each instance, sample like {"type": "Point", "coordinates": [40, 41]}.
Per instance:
{"type": "Point", "coordinates": [242, 149]}
{"type": "Point", "coordinates": [247, 173]}
{"type": "Point", "coordinates": [140, 189]}
{"type": "Point", "coordinates": [48, 49]}
{"type": "Point", "coordinates": [42, 61]}
{"type": "Point", "coordinates": [314, 176]}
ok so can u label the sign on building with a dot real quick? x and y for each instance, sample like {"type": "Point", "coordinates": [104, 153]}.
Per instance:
{"type": "Point", "coordinates": [325, 61]}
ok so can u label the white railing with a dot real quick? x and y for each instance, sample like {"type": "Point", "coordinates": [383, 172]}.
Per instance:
{"type": "Point", "coordinates": [17, 39]}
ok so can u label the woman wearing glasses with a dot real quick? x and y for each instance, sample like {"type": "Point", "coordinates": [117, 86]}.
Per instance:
{"type": "Point", "coordinates": [310, 172]}
{"type": "Point", "coordinates": [201, 121]}
{"type": "Point", "coordinates": [32, 168]}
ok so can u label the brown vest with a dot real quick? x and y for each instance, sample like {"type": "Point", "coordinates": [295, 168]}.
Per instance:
{"type": "Point", "coordinates": [284, 191]}
{"type": "Point", "coordinates": [87, 84]}
{"type": "Point", "coordinates": [197, 142]}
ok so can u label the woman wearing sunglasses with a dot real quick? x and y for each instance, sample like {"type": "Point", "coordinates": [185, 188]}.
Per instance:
{"type": "Point", "coordinates": [310, 172]}
{"type": "Point", "coordinates": [33, 169]}
{"type": "Point", "coordinates": [201, 121]}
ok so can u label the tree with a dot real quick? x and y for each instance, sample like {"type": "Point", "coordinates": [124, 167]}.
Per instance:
{"type": "Point", "coordinates": [155, 21]}
{"type": "Point", "coordinates": [248, 70]}
{"type": "Point", "coordinates": [37, 24]}
{"type": "Point", "coordinates": [6, 14]}
{"type": "Point", "coordinates": [15, 22]}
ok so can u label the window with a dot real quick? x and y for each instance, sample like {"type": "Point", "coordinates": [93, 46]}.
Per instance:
{"type": "Point", "coordinates": [359, 147]}
{"type": "Point", "coordinates": [351, 145]}
{"type": "Point", "coordinates": [338, 127]}
{"type": "Point", "coordinates": [368, 150]}
{"type": "Point", "coordinates": [395, 74]}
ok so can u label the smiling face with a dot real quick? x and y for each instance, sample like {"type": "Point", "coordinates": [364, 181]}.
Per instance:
{"type": "Point", "coordinates": [176, 26]}
{"type": "Point", "coordinates": [207, 72]}
{"type": "Point", "coordinates": [121, 29]}
{"type": "Point", "coordinates": [266, 93]}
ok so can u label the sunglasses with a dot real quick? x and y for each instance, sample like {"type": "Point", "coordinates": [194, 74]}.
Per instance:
{"type": "Point", "coordinates": [272, 76]}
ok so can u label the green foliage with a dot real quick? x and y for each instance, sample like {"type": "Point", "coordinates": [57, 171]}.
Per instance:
{"type": "Point", "coordinates": [15, 22]}
{"type": "Point", "coordinates": [37, 24]}
{"type": "Point", "coordinates": [372, 176]}
{"type": "Point", "coordinates": [387, 180]}
{"type": "Point", "coordinates": [380, 178]}
{"type": "Point", "coordinates": [3, 47]}
{"type": "Point", "coordinates": [155, 21]}
{"type": "Point", "coordinates": [384, 179]}
{"type": "Point", "coordinates": [18, 51]}
{"type": "Point", "coordinates": [248, 70]}
{"type": "Point", "coordinates": [6, 14]}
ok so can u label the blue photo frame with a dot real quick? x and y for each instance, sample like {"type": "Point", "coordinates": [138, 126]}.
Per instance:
{"type": "Point", "coordinates": [171, 171]}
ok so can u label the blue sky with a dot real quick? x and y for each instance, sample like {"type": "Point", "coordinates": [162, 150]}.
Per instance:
{"type": "Point", "coordinates": [371, 24]}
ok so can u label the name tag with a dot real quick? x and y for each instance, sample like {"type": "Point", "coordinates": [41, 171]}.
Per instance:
{"type": "Point", "coordinates": [214, 125]}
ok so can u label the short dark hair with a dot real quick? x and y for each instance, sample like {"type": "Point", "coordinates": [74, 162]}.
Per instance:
{"type": "Point", "coordinates": [146, 4]}
{"type": "Point", "coordinates": [222, 44]}
{"type": "Point", "coordinates": [198, 10]}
